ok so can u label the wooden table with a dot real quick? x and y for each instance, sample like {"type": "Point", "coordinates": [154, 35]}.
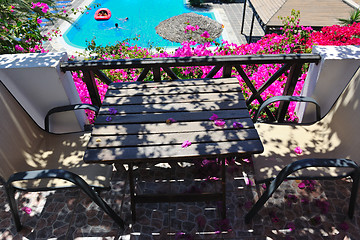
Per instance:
{"type": "Point", "coordinates": [150, 121]}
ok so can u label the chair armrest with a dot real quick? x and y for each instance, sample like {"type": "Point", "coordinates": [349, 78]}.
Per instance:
{"type": "Point", "coordinates": [68, 108]}
{"type": "Point", "coordinates": [289, 99]}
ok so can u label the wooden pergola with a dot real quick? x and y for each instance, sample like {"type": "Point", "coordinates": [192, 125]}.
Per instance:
{"type": "Point", "coordinates": [313, 13]}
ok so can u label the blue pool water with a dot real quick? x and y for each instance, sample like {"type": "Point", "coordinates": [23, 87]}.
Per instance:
{"type": "Point", "coordinates": [144, 16]}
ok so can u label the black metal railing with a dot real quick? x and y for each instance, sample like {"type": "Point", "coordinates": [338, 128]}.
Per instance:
{"type": "Point", "coordinates": [292, 62]}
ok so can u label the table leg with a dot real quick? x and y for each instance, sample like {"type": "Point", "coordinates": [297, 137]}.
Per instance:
{"type": "Point", "coordinates": [132, 192]}
{"type": "Point", "coordinates": [223, 188]}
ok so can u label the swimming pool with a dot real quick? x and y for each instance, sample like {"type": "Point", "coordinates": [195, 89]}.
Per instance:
{"type": "Point", "coordinates": [144, 16]}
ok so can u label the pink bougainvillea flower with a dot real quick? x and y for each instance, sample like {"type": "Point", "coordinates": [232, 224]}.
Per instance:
{"type": "Point", "coordinates": [212, 178]}
{"type": "Point", "coordinates": [301, 185]}
{"type": "Point", "coordinates": [308, 184]}
{"type": "Point", "coordinates": [108, 119]}
{"type": "Point", "coordinates": [43, 6]}
{"type": "Point", "coordinates": [213, 117]}
{"type": "Point", "coordinates": [205, 34]}
{"type": "Point", "coordinates": [186, 144]}
{"type": "Point", "coordinates": [291, 226]}
{"type": "Point", "coordinates": [298, 150]}
{"type": "Point", "coordinates": [291, 198]}
{"type": "Point", "coordinates": [38, 20]}
{"type": "Point", "coordinates": [219, 122]}
{"type": "Point", "coordinates": [112, 111]}
{"type": "Point", "coordinates": [27, 210]}
{"type": "Point", "coordinates": [248, 181]}
{"type": "Point", "coordinates": [170, 121]}
{"type": "Point", "coordinates": [247, 160]}
{"type": "Point", "coordinates": [19, 48]}
{"type": "Point", "coordinates": [237, 125]}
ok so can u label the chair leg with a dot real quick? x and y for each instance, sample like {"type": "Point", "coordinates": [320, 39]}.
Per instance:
{"type": "Point", "coordinates": [74, 178]}
{"type": "Point", "coordinates": [354, 192]}
{"type": "Point", "coordinates": [10, 192]}
{"type": "Point", "coordinates": [100, 202]}
{"type": "Point", "coordinates": [262, 200]}
{"type": "Point", "coordinates": [132, 192]}
{"type": "Point", "coordinates": [304, 163]}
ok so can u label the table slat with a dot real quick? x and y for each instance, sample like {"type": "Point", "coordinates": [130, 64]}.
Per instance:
{"type": "Point", "coordinates": [173, 83]}
{"type": "Point", "coordinates": [173, 138]}
{"type": "Point", "coordinates": [175, 90]}
{"type": "Point", "coordinates": [169, 152]}
{"type": "Point", "coordinates": [146, 128]}
{"type": "Point", "coordinates": [172, 107]}
{"type": "Point", "coordinates": [181, 98]}
{"type": "Point", "coordinates": [178, 116]}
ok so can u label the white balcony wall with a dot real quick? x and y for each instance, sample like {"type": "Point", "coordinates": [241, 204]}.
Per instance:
{"type": "Point", "coordinates": [38, 84]}
{"type": "Point", "coordinates": [326, 80]}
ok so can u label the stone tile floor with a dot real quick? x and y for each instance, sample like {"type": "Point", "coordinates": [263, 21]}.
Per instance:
{"type": "Point", "coordinates": [70, 214]}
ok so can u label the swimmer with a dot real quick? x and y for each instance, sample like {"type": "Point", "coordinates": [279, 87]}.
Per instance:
{"type": "Point", "coordinates": [123, 19]}
{"type": "Point", "coordinates": [116, 27]}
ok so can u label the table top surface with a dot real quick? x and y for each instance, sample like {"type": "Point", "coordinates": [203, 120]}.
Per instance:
{"type": "Point", "coordinates": [150, 121]}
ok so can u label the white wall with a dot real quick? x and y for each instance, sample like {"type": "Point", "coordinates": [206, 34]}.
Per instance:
{"type": "Point", "coordinates": [38, 84]}
{"type": "Point", "coordinates": [326, 80]}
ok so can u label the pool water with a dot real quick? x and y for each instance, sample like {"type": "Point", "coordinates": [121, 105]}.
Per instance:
{"type": "Point", "coordinates": [144, 16]}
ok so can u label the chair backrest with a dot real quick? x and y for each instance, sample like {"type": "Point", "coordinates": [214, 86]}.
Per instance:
{"type": "Point", "coordinates": [19, 134]}
{"type": "Point", "coordinates": [24, 146]}
{"type": "Point", "coordinates": [334, 136]}
{"type": "Point", "coordinates": [343, 120]}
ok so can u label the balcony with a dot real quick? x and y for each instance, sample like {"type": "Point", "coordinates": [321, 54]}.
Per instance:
{"type": "Point", "coordinates": [291, 213]}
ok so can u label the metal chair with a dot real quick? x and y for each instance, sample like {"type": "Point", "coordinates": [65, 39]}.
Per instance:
{"type": "Point", "coordinates": [33, 159]}
{"type": "Point", "coordinates": [331, 147]}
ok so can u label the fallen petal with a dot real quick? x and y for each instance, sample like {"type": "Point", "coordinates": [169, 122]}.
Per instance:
{"type": "Point", "coordinates": [237, 125]}
{"type": "Point", "coordinates": [170, 121]}
{"type": "Point", "coordinates": [112, 111]}
{"type": "Point", "coordinates": [213, 117]}
{"type": "Point", "coordinates": [186, 144]}
{"type": "Point", "coordinates": [27, 210]}
{"type": "Point", "coordinates": [298, 150]}
{"type": "Point", "coordinates": [219, 122]}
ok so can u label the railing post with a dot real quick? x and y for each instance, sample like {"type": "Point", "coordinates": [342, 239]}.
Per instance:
{"type": "Point", "coordinates": [227, 71]}
{"type": "Point", "coordinates": [157, 75]}
{"type": "Point", "coordinates": [90, 82]}
{"type": "Point", "coordinates": [292, 79]}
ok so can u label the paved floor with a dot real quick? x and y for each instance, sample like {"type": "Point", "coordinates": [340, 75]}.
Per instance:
{"type": "Point", "coordinates": [292, 213]}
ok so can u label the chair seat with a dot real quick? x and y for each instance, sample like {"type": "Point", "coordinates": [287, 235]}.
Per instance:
{"type": "Point", "coordinates": [316, 141]}
{"type": "Point", "coordinates": [57, 152]}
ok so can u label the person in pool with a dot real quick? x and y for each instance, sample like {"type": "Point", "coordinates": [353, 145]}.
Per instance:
{"type": "Point", "coordinates": [123, 19]}
{"type": "Point", "coordinates": [116, 27]}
